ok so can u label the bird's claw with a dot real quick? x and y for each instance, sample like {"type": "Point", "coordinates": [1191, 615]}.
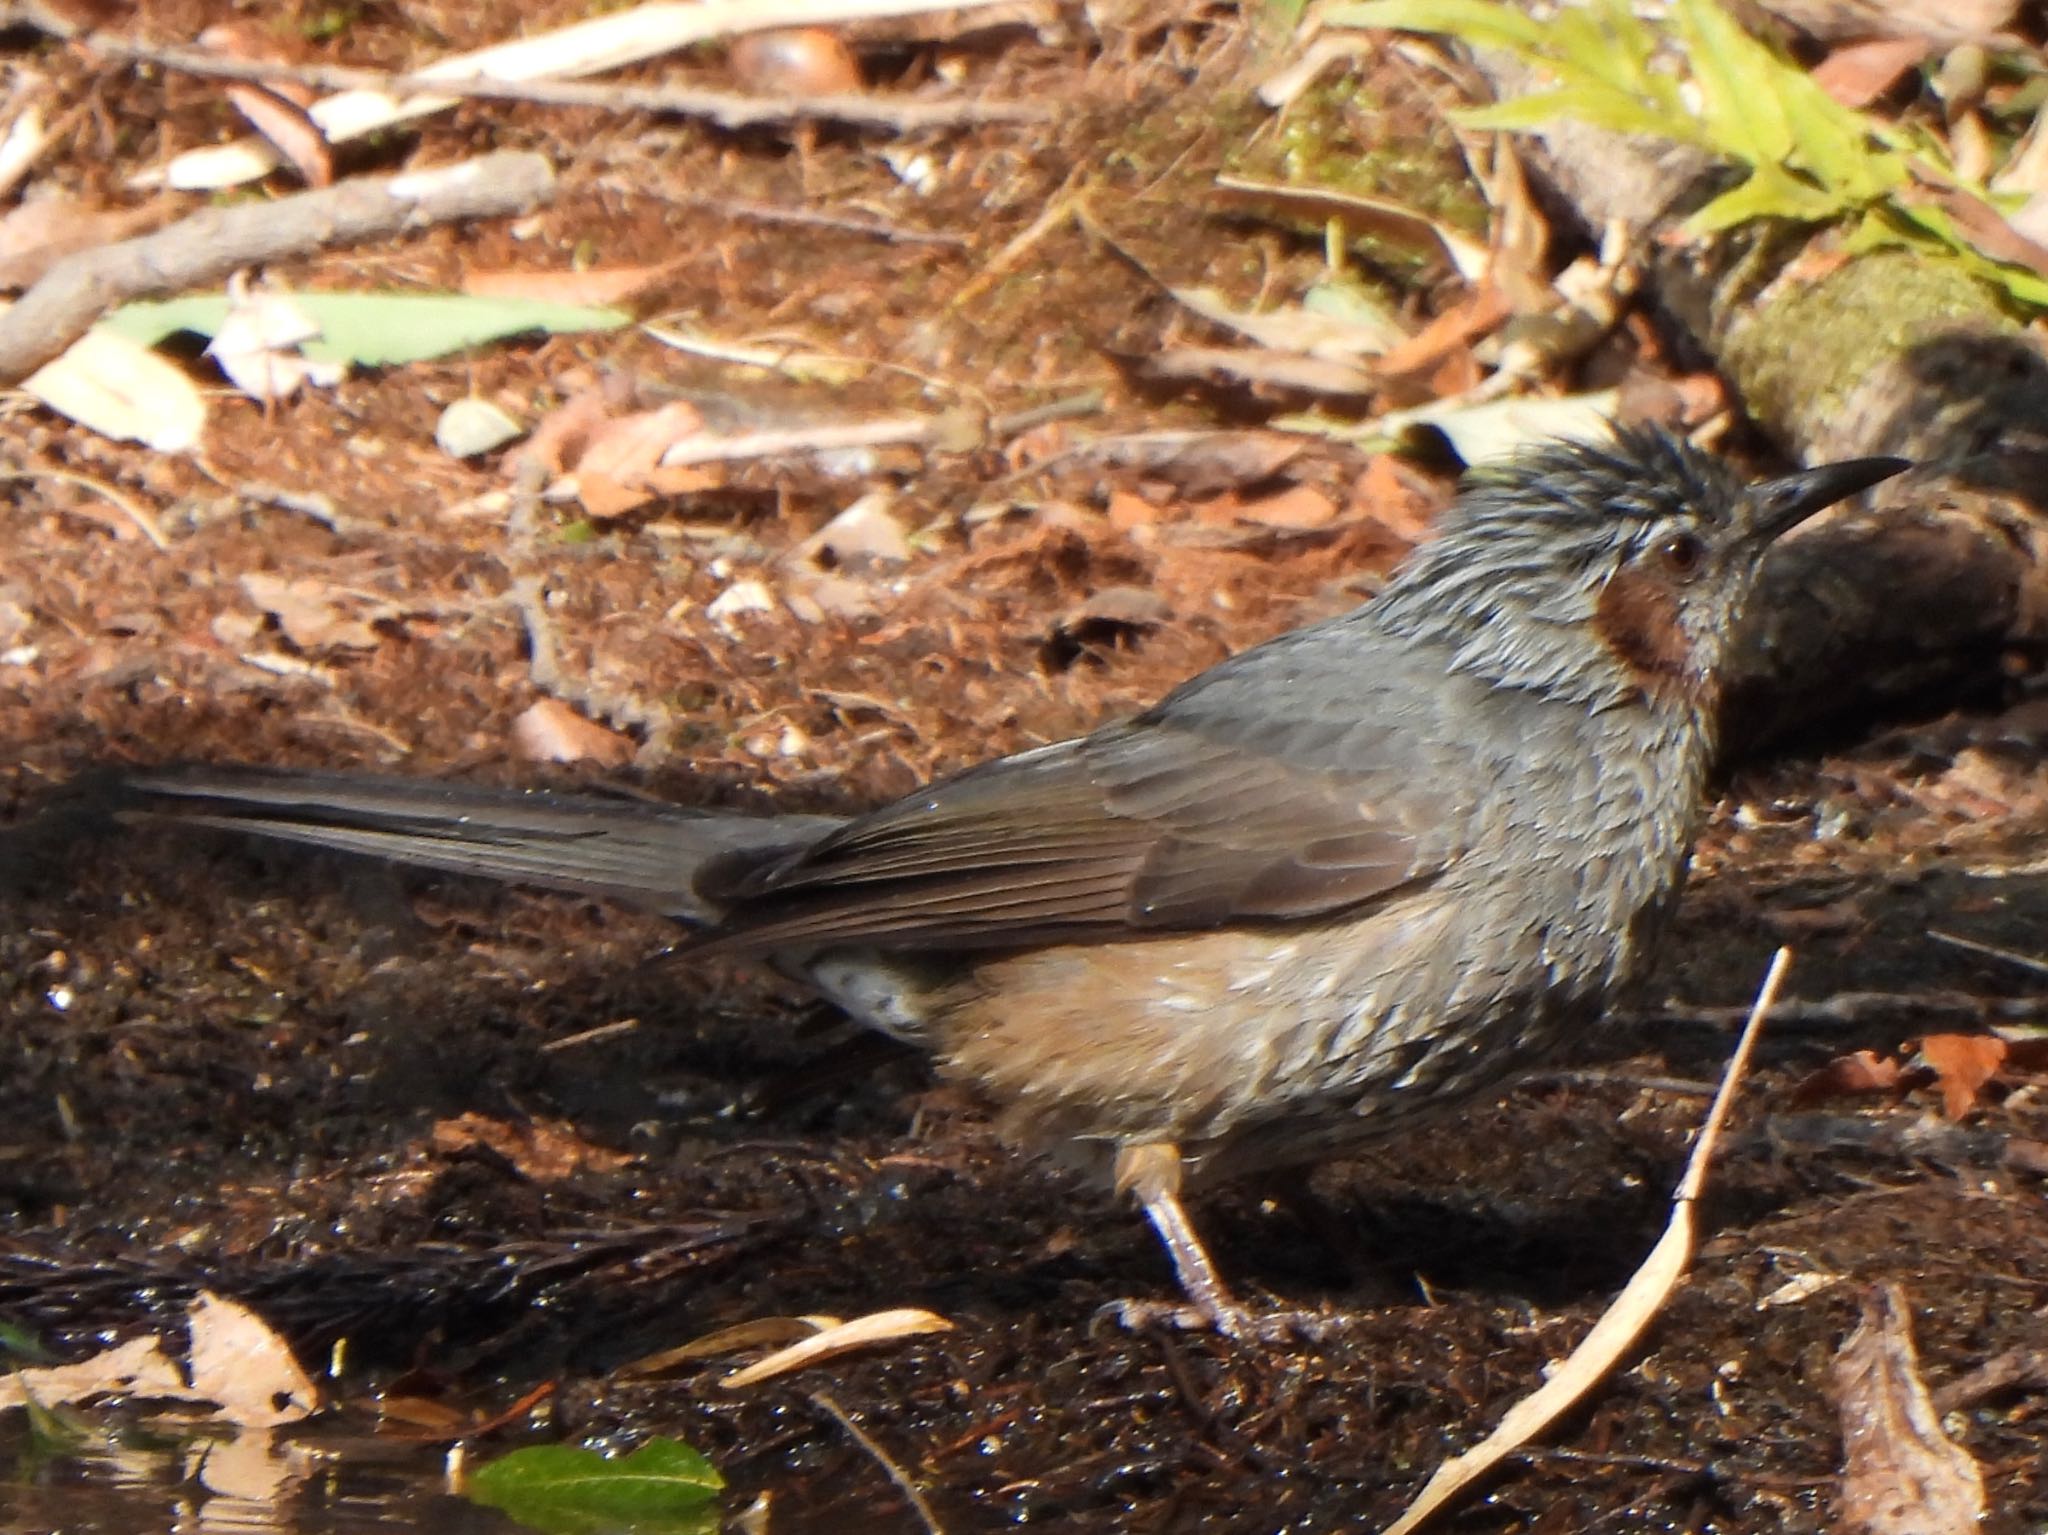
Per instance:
{"type": "Point", "coordinates": [1239, 1323]}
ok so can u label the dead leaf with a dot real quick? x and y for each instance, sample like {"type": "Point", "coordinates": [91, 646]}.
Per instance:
{"type": "Point", "coordinates": [861, 1332]}
{"type": "Point", "coordinates": [312, 614]}
{"type": "Point", "coordinates": [1299, 508]}
{"type": "Point", "coordinates": [238, 1361]}
{"type": "Point", "coordinates": [137, 1368]}
{"type": "Point", "coordinates": [544, 1150]}
{"type": "Point", "coordinates": [1901, 1473]}
{"type": "Point", "coordinates": [1864, 1071]}
{"type": "Point", "coordinates": [1285, 370]}
{"type": "Point", "coordinates": [123, 390]}
{"type": "Point", "coordinates": [276, 109]}
{"type": "Point", "coordinates": [1299, 329]}
{"type": "Point", "coordinates": [1962, 1064]}
{"type": "Point", "coordinates": [551, 731]}
{"type": "Point", "coordinates": [1856, 74]}
{"type": "Point", "coordinates": [1480, 314]}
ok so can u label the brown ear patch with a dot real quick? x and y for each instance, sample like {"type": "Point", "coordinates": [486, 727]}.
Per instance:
{"type": "Point", "coordinates": [1637, 619]}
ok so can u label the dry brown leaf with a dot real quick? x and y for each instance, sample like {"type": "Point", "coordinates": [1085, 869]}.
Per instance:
{"type": "Point", "coordinates": [1962, 1064]}
{"type": "Point", "coordinates": [1864, 1071]}
{"type": "Point", "coordinates": [1284, 370]}
{"type": "Point", "coordinates": [139, 1368]}
{"type": "Point", "coordinates": [861, 1332]}
{"type": "Point", "coordinates": [312, 614]}
{"type": "Point", "coordinates": [275, 109]}
{"type": "Point", "coordinates": [1901, 1473]}
{"type": "Point", "coordinates": [239, 1362]}
{"type": "Point", "coordinates": [1480, 313]}
{"type": "Point", "coordinates": [559, 438]}
{"type": "Point", "coordinates": [551, 731]}
{"type": "Point", "coordinates": [1298, 508]}
{"type": "Point", "coordinates": [1856, 74]}
{"type": "Point", "coordinates": [627, 448]}
{"type": "Point", "coordinates": [544, 1150]}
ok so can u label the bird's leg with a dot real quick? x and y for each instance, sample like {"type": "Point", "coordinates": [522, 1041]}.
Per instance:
{"type": "Point", "coordinates": [1151, 1170]}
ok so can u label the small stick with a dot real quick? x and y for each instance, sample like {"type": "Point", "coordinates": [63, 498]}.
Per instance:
{"type": "Point", "coordinates": [896, 1473]}
{"type": "Point", "coordinates": [1622, 1323]}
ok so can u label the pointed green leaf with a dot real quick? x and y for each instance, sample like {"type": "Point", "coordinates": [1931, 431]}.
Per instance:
{"type": "Point", "coordinates": [1596, 105]}
{"type": "Point", "coordinates": [1768, 194]}
{"type": "Point", "coordinates": [662, 1488]}
{"type": "Point", "coordinates": [378, 329]}
{"type": "Point", "coordinates": [1734, 74]}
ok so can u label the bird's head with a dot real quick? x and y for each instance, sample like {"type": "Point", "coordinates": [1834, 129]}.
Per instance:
{"type": "Point", "coordinates": [1607, 571]}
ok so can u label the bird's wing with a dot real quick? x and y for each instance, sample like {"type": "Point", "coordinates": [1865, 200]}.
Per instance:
{"type": "Point", "coordinates": [1164, 823]}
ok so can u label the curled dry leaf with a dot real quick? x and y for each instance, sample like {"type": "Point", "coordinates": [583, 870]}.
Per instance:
{"type": "Point", "coordinates": [861, 1332]}
{"type": "Point", "coordinates": [1901, 1473]}
{"type": "Point", "coordinates": [238, 1361]}
{"type": "Point", "coordinates": [1856, 74]}
{"type": "Point", "coordinates": [1862, 1071]}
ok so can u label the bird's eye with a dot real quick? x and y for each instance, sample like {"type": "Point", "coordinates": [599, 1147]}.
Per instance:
{"type": "Point", "coordinates": [1682, 555]}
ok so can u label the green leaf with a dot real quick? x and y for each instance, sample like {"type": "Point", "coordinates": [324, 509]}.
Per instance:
{"type": "Point", "coordinates": [662, 1488]}
{"type": "Point", "coordinates": [1479, 22]}
{"type": "Point", "coordinates": [378, 330]}
{"type": "Point", "coordinates": [1597, 105]}
{"type": "Point", "coordinates": [1768, 194]}
{"type": "Point", "coordinates": [1735, 75]}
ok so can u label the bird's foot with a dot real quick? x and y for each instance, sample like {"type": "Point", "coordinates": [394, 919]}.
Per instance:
{"type": "Point", "coordinates": [1233, 1320]}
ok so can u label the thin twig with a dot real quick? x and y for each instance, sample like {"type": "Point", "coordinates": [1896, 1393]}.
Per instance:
{"type": "Point", "coordinates": [128, 507]}
{"type": "Point", "coordinates": [1990, 950]}
{"type": "Point", "coordinates": [728, 109]}
{"type": "Point", "coordinates": [896, 1473]}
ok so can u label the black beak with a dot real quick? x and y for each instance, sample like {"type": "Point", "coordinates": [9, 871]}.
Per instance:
{"type": "Point", "coordinates": [1778, 506]}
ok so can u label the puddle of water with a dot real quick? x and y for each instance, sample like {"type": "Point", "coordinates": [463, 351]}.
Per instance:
{"type": "Point", "coordinates": [256, 1483]}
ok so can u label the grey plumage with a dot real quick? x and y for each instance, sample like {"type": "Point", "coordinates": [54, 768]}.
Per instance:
{"type": "Point", "coordinates": [1369, 867]}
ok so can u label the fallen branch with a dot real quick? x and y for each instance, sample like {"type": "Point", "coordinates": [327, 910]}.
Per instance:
{"type": "Point", "coordinates": [728, 109]}
{"type": "Point", "coordinates": [216, 242]}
